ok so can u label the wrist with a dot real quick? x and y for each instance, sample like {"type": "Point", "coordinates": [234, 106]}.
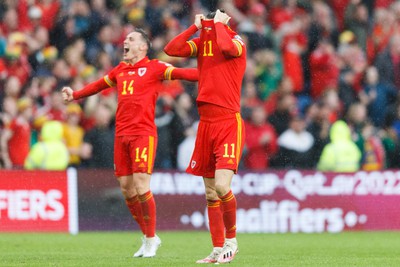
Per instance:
{"type": "Point", "coordinates": [194, 27]}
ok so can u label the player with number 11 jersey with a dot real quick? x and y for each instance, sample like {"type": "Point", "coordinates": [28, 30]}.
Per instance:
{"type": "Point", "coordinates": [221, 59]}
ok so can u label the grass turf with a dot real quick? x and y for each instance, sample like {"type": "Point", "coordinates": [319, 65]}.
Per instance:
{"type": "Point", "coordinates": [184, 248]}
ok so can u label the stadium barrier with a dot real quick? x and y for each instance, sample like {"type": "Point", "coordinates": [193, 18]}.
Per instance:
{"type": "Point", "coordinates": [38, 201]}
{"type": "Point", "coordinates": [272, 202]}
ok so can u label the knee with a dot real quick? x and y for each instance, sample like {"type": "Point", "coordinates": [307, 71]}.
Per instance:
{"type": "Point", "coordinates": [142, 183]}
{"type": "Point", "coordinates": [127, 188]}
{"type": "Point", "coordinates": [222, 189]}
{"type": "Point", "coordinates": [128, 192]}
{"type": "Point", "coordinates": [211, 194]}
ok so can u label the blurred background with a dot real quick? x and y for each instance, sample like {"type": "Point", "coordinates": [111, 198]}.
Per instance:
{"type": "Point", "coordinates": [319, 99]}
{"type": "Point", "coordinates": [310, 64]}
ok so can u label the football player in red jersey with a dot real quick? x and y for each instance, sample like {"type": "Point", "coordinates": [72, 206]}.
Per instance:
{"type": "Point", "coordinates": [221, 60]}
{"type": "Point", "coordinates": [138, 80]}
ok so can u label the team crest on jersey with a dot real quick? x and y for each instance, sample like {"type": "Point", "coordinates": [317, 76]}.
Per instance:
{"type": "Point", "coordinates": [142, 71]}
{"type": "Point", "coordinates": [193, 164]}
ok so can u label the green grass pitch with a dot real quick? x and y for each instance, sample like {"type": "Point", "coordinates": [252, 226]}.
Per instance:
{"type": "Point", "coordinates": [184, 248]}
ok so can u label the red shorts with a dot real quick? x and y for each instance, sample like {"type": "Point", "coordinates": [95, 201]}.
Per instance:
{"type": "Point", "coordinates": [219, 145]}
{"type": "Point", "coordinates": [134, 154]}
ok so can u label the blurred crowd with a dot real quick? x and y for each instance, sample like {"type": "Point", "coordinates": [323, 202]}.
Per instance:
{"type": "Point", "coordinates": [320, 89]}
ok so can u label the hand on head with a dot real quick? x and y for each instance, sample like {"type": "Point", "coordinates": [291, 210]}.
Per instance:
{"type": "Point", "coordinates": [218, 16]}
{"type": "Point", "coordinates": [221, 17]}
{"type": "Point", "coordinates": [197, 20]}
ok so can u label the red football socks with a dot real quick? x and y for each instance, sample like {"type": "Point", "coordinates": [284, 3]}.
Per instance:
{"type": "Point", "coordinates": [216, 222]}
{"type": "Point", "coordinates": [228, 205]}
{"type": "Point", "coordinates": [136, 210]}
{"type": "Point", "coordinates": [149, 213]}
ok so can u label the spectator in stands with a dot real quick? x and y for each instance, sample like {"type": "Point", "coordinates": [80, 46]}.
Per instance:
{"type": "Point", "coordinates": [388, 63]}
{"type": "Point", "coordinates": [269, 71]}
{"type": "Point", "coordinates": [377, 96]}
{"type": "Point", "coordinates": [286, 108]}
{"type": "Point", "coordinates": [15, 139]}
{"type": "Point", "coordinates": [50, 10]}
{"type": "Point", "coordinates": [318, 124]}
{"type": "Point", "coordinates": [12, 87]}
{"type": "Point", "coordinates": [73, 133]}
{"type": "Point", "coordinates": [249, 99]}
{"type": "Point", "coordinates": [285, 87]}
{"type": "Point", "coordinates": [356, 118]}
{"type": "Point", "coordinates": [353, 64]}
{"type": "Point", "coordinates": [43, 46]}
{"type": "Point", "coordinates": [324, 69]}
{"type": "Point", "coordinates": [261, 141]}
{"type": "Point", "coordinates": [296, 146]}
{"type": "Point", "coordinates": [98, 146]}
{"type": "Point", "coordinates": [9, 110]}
{"type": "Point", "coordinates": [257, 31]}
{"type": "Point", "coordinates": [330, 99]}
{"type": "Point", "coordinates": [50, 153]}
{"type": "Point", "coordinates": [374, 158]}
{"type": "Point", "coordinates": [341, 154]}
{"type": "Point", "coordinates": [356, 20]}
{"type": "Point", "coordinates": [62, 72]}
{"type": "Point", "coordinates": [9, 22]}
{"type": "Point", "coordinates": [16, 62]}
{"type": "Point", "coordinates": [323, 26]}
{"type": "Point", "coordinates": [381, 30]}
{"type": "Point", "coordinates": [293, 46]}
{"type": "Point", "coordinates": [63, 33]}
{"type": "Point", "coordinates": [74, 55]}
{"type": "Point", "coordinates": [53, 105]}
{"type": "Point", "coordinates": [181, 124]}
{"type": "Point", "coordinates": [103, 43]}
{"type": "Point", "coordinates": [163, 121]}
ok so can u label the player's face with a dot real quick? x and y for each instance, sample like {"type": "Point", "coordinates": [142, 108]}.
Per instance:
{"type": "Point", "coordinates": [133, 45]}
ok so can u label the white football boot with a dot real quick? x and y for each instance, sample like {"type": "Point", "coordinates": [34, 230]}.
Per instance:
{"type": "Point", "coordinates": [151, 246]}
{"type": "Point", "coordinates": [229, 251]}
{"type": "Point", "coordinates": [213, 257]}
{"type": "Point", "coordinates": [140, 252]}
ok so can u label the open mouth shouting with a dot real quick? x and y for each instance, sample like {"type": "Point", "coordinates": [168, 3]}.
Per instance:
{"type": "Point", "coordinates": [126, 50]}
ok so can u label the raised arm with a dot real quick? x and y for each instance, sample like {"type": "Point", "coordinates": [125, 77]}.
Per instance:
{"type": "Point", "coordinates": [90, 89]}
{"type": "Point", "coordinates": [180, 46]}
{"type": "Point", "coordinates": [228, 47]}
{"type": "Point", "coordinates": [191, 74]}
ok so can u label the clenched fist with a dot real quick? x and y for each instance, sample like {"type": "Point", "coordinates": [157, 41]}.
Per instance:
{"type": "Point", "coordinates": [67, 94]}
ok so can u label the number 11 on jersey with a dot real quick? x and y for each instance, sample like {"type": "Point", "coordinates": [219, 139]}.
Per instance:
{"type": "Point", "coordinates": [207, 45]}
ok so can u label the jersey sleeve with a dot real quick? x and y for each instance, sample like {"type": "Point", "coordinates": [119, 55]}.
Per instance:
{"type": "Point", "coordinates": [229, 46]}
{"type": "Point", "coordinates": [189, 74]}
{"type": "Point", "coordinates": [181, 46]}
{"type": "Point", "coordinates": [111, 77]}
{"type": "Point", "coordinates": [107, 81]}
{"type": "Point", "coordinates": [169, 72]}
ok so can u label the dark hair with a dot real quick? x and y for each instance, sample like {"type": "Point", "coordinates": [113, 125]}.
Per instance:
{"type": "Point", "coordinates": [211, 15]}
{"type": "Point", "coordinates": [144, 36]}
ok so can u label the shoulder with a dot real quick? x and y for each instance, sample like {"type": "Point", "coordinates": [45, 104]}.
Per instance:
{"type": "Point", "coordinates": [237, 38]}
{"type": "Point", "coordinates": [160, 63]}
{"type": "Point", "coordinates": [120, 65]}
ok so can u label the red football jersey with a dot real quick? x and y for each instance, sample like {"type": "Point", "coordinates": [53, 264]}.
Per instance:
{"type": "Point", "coordinates": [19, 144]}
{"type": "Point", "coordinates": [220, 75]}
{"type": "Point", "coordinates": [138, 86]}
